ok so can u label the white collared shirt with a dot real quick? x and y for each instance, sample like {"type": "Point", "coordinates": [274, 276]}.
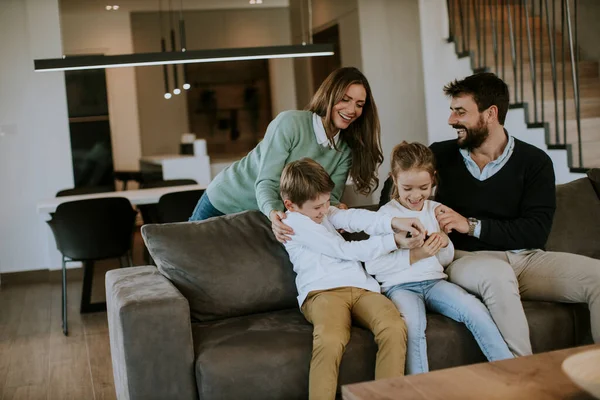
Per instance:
{"type": "Point", "coordinates": [493, 166]}
{"type": "Point", "coordinates": [323, 260]}
{"type": "Point", "coordinates": [320, 133]}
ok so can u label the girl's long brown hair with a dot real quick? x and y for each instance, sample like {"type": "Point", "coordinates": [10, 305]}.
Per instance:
{"type": "Point", "coordinates": [407, 156]}
{"type": "Point", "coordinates": [363, 136]}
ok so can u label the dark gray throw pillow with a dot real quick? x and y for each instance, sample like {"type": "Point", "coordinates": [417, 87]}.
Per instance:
{"type": "Point", "coordinates": [226, 266]}
{"type": "Point", "coordinates": [576, 226]}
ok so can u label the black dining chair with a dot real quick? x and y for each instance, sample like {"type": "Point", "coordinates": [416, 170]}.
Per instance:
{"type": "Point", "coordinates": [92, 230]}
{"type": "Point", "coordinates": [177, 206]}
{"type": "Point", "coordinates": [150, 211]}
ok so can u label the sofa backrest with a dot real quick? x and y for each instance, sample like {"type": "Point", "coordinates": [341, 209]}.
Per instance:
{"type": "Point", "coordinates": [226, 267]}
{"type": "Point", "coordinates": [576, 225]}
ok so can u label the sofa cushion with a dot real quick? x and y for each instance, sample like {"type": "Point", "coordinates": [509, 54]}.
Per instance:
{"type": "Point", "coordinates": [267, 356]}
{"type": "Point", "coordinates": [594, 175]}
{"type": "Point", "coordinates": [226, 267]}
{"type": "Point", "coordinates": [576, 225]}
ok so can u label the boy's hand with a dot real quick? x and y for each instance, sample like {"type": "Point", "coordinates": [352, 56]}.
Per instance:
{"type": "Point", "coordinates": [280, 229]}
{"type": "Point", "coordinates": [429, 249]}
{"type": "Point", "coordinates": [341, 206]}
{"type": "Point", "coordinates": [412, 225]}
{"type": "Point", "coordinates": [408, 243]}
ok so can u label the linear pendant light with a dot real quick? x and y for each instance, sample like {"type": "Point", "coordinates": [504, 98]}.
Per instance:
{"type": "Point", "coordinates": [187, 57]}
{"type": "Point", "coordinates": [163, 48]}
{"type": "Point", "coordinates": [182, 42]}
{"type": "Point", "coordinates": [176, 89]}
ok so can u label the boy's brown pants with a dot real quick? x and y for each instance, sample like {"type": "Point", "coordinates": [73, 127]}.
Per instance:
{"type": "Point", "coordinates": [332, 312]}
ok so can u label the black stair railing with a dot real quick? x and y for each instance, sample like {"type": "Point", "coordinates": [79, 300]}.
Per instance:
{"type": "Point", "coordinates": [522, 33]}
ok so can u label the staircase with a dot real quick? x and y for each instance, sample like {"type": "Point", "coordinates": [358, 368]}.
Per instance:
{"type": "Point", "coordinates": [523, 58]}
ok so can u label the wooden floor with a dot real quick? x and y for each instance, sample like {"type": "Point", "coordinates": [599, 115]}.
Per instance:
{"type": "Point", "coordinates": [36, 360]}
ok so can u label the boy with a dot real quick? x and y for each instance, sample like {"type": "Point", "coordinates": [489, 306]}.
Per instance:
{"type": "Point", "coordinates": [333, 287]}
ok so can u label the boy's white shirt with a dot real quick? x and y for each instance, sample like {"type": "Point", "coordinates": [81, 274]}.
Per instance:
{"type": "Point", "coordinates": [324, 260]}
{"type": "Point", "coordinates": [395, 268]}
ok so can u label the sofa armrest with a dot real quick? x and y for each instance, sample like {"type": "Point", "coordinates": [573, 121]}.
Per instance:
{"type": "Point", "coordinates": [150, 336]}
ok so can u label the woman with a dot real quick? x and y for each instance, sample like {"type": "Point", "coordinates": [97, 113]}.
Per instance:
{"type": "Point", "coordinates": [339, 129]}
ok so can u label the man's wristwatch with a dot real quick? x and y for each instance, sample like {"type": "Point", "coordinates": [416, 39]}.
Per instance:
{"type": "Point", "coordinates": [473, 222]}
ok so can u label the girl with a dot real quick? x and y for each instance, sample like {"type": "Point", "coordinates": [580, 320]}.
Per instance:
{"type": "Point", "coordinates": [415, 278]}
{"type": "Point", "coordinates": [340, 130]}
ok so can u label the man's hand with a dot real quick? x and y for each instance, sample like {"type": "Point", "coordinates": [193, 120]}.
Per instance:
{"type": "Point", "coordinates": [450, 220]}
{"type": "Point", "coordinates": [429, 249]}
{"type": "Point", "coordinates": [280, 229]}
{"type": "Point", "coordinates": [412, 225]}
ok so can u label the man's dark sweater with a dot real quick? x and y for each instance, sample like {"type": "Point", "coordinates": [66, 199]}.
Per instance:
{"type": "Point", "coordinates": [515, 205]}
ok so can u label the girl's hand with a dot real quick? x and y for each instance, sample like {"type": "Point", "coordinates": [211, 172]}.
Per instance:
{"type": "Point", "coordinates": [429, 249]}
{"type": "Point", "coordinates": [445, 239]}
{"type": "Point", "coordinates": [408, 242]}
{"type": "Point", "coordinates": [280, 229]}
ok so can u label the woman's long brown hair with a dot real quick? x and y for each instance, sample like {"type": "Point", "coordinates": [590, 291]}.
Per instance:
{"type": "Point", "coordinates": [363, 136]}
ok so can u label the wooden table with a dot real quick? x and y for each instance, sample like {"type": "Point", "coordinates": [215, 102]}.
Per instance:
{"type": "Point", "coordinates": [135, 197]}
{"type": "Point", "coordinates": [537, 377]}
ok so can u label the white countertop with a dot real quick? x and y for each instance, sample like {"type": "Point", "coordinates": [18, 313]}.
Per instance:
{"type": "Point", "coordinates": [136, 197]}
{"type": "Point", "coordinates": [158, 160]}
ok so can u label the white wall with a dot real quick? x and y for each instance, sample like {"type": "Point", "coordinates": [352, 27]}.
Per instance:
{"type": "Point", "coordinates": [440, 66]}
{"type": "Point", "coordinates": [163, 121]}
{"type": "Point", "coordinates": [283, 90]}
{"type": "Point", "coordinates": [392, 61]}
{"type": "Point", "coordinates": [35, 157]}
{"type": "Point", "coordinates": [89, 32]}
{"type": "Point", "coordinates": [325, 14]}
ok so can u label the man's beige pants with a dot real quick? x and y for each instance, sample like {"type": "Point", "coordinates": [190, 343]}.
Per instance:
{"type": "Point", "coordinates": [502, 279]}
{"type": "Point", "coordinates": [332, 312]}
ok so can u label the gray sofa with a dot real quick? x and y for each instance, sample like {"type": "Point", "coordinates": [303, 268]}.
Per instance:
{"type": "Point", "coordinates": [218, 318]}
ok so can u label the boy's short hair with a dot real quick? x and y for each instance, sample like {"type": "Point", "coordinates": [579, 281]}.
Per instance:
{"type": "Point", "coordinates": [304, 180]}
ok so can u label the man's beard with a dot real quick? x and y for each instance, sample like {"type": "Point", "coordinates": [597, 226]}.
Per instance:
{"type": "Point", "coordinates": [474, 137]}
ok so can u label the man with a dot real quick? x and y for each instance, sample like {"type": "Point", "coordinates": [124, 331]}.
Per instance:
{"type": "Point", "coordinates": [498, 196]}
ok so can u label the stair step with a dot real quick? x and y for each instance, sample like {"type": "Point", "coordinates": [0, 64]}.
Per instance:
{"type": "Point", "coordinates": [589, 72]}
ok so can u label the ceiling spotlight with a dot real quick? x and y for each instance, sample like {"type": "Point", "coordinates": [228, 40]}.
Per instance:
{"type": "Point", "coordinates": [176, 91]}
{"type": "Point", "coordinates": [117, 7]}
{"type": "Point", "coordinates": [187, 86]}
{"type": "Point", "coordinates": [252, 1]}
{"type": "Point", "coordinates": [167, 96]}
{"type": "Point", "coordinates": [108, 8]}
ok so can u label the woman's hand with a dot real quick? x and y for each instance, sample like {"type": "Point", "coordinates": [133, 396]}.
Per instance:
{"type": "Point", "coordinates": [342, 206]}
{"type": "Point", "coordinates": [429, 249]}
{"type": "Point", "coordinates": [281, 230]}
